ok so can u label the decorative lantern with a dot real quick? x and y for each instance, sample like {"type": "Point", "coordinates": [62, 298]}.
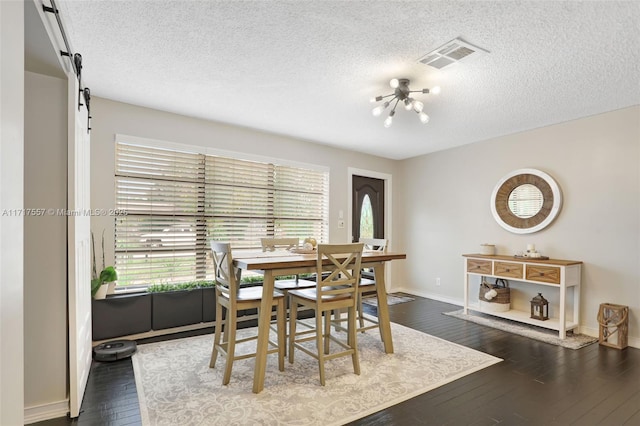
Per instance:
{"type": "Point", "coordinates": [540, 308]}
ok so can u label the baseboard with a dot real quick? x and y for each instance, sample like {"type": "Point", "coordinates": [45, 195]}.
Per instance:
{"type": "Point", "coordinates": [427, 295]}
{"type": "Point", "coordinates": [53, 410]}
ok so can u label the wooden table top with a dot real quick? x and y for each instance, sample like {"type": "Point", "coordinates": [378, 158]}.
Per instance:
{"type": "Point", "coordinates": [277, 260]}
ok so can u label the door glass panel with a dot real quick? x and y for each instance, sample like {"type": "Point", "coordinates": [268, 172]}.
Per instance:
{"type": "Point", "coordinates": [366, 218]}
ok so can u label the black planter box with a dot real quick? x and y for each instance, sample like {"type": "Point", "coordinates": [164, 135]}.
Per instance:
{"type": "Point", "coordinates": [176, 308]}
{"type": "Point", "coordinates": [208, 304]}
{"type": "Point", "coordinates": [120, 315]}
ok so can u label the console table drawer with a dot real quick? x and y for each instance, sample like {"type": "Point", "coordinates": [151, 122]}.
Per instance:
{"type": "Point", "coordinates": [543, 274]}
{"type": "Point", "coordinates": [508, 270]}
{"type": "Point", "coordinates": [476, 266]}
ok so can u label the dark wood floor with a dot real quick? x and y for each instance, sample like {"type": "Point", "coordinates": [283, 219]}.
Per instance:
{"type": "Point", "coordinates": [536, 384]}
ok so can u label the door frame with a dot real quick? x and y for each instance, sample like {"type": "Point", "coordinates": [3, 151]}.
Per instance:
{"type": "Point", "coordinates": [388, 218]}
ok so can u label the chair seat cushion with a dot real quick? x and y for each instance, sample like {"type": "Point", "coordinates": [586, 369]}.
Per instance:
{"type": "Point", "coordinates": [293, 284]}
{"type": "Point", "coordinates": [312, 294]}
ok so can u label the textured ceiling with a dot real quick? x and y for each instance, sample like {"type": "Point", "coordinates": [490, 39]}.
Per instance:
{"type": "Point", "coordinates": [308, 68]}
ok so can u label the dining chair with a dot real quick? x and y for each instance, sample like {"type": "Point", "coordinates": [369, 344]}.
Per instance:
{"type": "Point", "coordinates": [233, 297]}
{"type": "Point", "coordinates": [367, 286]}
{"type": "Point", "coordinates": [337, 289]}
{"type": "Point", "coordinates": [273, 244]}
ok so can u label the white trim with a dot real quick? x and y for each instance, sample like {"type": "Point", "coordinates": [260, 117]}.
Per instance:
{"type": "Point", "coordinates": [52, 410]}
{"type": "Point", "coordinates": [388, 217]}
{"type": "Point", "coordinates": [200, 149]}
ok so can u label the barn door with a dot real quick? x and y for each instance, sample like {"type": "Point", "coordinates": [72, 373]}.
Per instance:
{"type": "Point", "coordinates": [78, 248]}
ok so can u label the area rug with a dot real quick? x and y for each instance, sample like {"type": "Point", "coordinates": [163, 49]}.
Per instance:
{"type": "Point", "coordinates": [573, 341]}
{"type": "Point", "coordinates": [391, 300]}
{"type": "Point", "coordinates": [176, 386]}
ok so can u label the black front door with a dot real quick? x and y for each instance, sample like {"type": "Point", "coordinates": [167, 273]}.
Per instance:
{"type": "Point", "coordinates": [367, 208]}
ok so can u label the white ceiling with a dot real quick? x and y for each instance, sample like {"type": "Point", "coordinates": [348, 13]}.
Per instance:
{"type": "Point", "coordinates": [307, 69]}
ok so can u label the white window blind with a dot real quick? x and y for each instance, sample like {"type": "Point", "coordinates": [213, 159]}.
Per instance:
{"type": "Point", "coordinates": [176, 202]}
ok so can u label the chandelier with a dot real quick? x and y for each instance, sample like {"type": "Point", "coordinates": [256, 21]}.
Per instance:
{"type": "Point", "coordinates": [402, 94]}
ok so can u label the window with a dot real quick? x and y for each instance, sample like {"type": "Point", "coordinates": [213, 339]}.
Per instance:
{"type": "Point", "coordinates": [176, 202]}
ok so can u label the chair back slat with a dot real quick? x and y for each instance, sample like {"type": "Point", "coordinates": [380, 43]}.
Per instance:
{"type": "Point", "coordinates": [272, 244]}
{"type": "Point", "coordinates": [344, 272]}
{"type": "Point", "coordinates": [375, 244]}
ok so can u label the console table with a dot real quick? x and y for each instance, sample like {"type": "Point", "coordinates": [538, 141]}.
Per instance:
{"type": "Point", "coordinates": [558, 275]}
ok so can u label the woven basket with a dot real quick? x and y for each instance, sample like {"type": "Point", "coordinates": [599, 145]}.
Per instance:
{"type": "Point", "coordinates": [502, 302]}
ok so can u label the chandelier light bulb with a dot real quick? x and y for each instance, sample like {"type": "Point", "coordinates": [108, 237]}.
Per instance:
{"type": "Point", "coordinates": [378, 110]}
{"type": "Point", "coordinates": [408, 104]}
{"type": "Point", "coordinates": [394, 83]}
{"type": "Point", "coordinates": [389, 119]}
{"type": "Point", "coordinates": [424, 118]}
{"type": "Point", "coordinates": [436, 90]}
{"type": "Point", "coordinates": [375, 99]}
{"type": "Point", "coordinates": [417, 106]}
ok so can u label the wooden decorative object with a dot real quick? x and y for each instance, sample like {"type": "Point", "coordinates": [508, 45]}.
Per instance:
{"type": "Point", "coordinates": [614, 325]}
{"type": "Point", "coordinates": [539, 308]}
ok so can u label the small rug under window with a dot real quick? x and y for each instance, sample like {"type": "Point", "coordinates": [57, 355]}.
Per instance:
{"type": "Point", "coordinates": [392, 299]}
{"type": "Point", "coordinates": [573, 341]}
{"type": "Point", "coordinates": [177, 387]}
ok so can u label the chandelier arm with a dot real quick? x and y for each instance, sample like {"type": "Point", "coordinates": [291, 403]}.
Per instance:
{"type": "Point", "coordinates": [386, 96]}
{"type": "Point", "coordinates": [397, 100]}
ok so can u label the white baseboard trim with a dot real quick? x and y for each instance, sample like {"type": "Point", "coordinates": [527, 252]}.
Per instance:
{"type": "Point", "coordinates": [52, 410]}
{"type": "Point", "coordinates": [427, 295]}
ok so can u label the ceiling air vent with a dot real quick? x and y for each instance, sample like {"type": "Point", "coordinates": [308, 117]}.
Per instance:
{"type": "Point", "coordinates": [451, 53]}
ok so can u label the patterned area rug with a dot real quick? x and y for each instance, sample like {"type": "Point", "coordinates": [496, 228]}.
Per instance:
{"type": "Point", "coordinates": [392, 299]}
{"type": "Point", "coordinates": [177, 387]}
{"type": "Point", "coordinates": [573, 341]}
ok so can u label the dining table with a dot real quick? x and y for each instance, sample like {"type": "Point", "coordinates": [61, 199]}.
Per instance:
{"type": "Point", "coordinates": [279, 263]}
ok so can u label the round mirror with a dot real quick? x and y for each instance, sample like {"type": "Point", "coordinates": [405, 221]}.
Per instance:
{"type": "Point", "coordinates": [526, 201]}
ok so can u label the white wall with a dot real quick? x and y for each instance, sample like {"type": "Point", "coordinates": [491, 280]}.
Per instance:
{"type": "Point", "coordinates": [111, 118]}
{"type": "Point", "coordinates": [596, 162]}
{"type": "Point", "coordinates": [45, 245]}
{"type": "Point", "coordinates": [11, 192]}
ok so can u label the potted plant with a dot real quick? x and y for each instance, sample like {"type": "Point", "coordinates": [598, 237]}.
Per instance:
{"type": "Point", "coordinates": [102, 284]}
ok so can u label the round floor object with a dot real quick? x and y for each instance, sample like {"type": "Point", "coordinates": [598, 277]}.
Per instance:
{"type": "Point", "coordinates": [114, 350]}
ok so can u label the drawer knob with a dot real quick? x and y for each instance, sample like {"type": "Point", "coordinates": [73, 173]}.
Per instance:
{"type": "Point", "coordinates": [507, 269]}
{"type": "Point", "coordinates": [542, 274]}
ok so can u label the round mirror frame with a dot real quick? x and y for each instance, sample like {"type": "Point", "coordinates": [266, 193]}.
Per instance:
{"type": "Point", "coordinates": [550, 206]}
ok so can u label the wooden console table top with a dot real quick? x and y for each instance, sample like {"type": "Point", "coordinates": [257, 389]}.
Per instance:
{"type": "Point", "coordinates": [558, 262]}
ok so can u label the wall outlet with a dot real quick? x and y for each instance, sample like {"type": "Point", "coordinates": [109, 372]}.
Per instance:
{"type": "Point", "coordinates": [341, 224]}
{"type": "Point", "coordinates": [438, 282]}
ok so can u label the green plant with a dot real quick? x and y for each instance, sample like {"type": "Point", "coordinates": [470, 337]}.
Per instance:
{"type": "Point", "coordinates": [190, 285]}
{"type": "Point", "coordinates": [107, 275]}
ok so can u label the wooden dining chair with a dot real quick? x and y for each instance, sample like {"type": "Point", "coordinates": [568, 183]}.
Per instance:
{"type": "Point", "coordinates": [336, 290]}
{"type": "Point", "coordinates": [367, 286]}
{"type": "Point", "coordinates": [273, 244]}
{"type": "Point", "coordinates": [233, 298]}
